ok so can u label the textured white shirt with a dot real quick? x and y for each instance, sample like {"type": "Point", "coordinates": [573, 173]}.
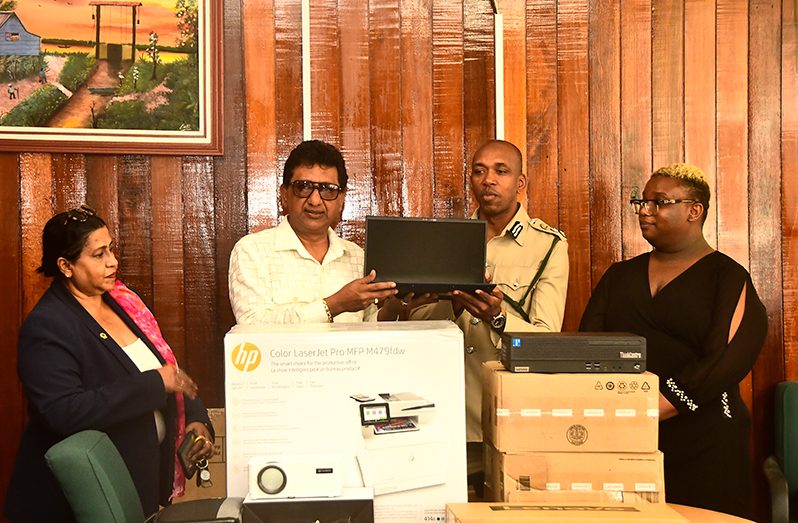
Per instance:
{"type": "Point", "coordinates": [274, 279]}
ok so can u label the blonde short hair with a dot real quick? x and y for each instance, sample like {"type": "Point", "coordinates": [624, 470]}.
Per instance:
{"type": "Point", "coordinates": [692, 178]}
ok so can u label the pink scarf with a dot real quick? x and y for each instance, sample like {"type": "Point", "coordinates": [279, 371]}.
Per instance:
{"type": "Point", "coordinates": [143, 318]}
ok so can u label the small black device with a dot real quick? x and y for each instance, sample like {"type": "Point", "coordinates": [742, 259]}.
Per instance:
{"type": "Point", "coordinates": [189, 465]}
{"type": "Point", "coordinates": [573, 352]}
{"type": "Point", "coordinates": [427, 254]}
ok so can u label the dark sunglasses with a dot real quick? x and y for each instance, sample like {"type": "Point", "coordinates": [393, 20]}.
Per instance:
{"type": "Point", "coordinates": [79, 214]}
{"type": "Point", "coordinates": [304, 188]}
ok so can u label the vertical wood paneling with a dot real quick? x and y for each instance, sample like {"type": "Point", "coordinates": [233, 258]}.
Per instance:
{"type": "Point", "coordinates": [572, 109]}
{"type": "Point", "coordinates": [515, 64]}
{"type": "Point", "coordinates": [102, 190]}
{"type": "Point", "coordinates": [416, 57]}
{"type": "Point", "coordinates": [635, 115]}
{"type": "Point", "coordinates": [667, 73]}
{"type": "Point", "coordinates": [731, 202]}
{"type": "Point", "coordinates": [69, 181]}
{"type": "Point", "coordinates": [261, 121]}
{"type": "Point", "coordinates": [355, 109]}
{"type": "Point", "coordinates": [607, 208]}
{"type": "Point", "coordinates": [447, 102]}
{"type": "Point", "coordinates": [699, 97]}
{"type": "Point", "coordinates": [35, 172]}
{"type": "Point", "coordinates": [479, 89]}
{"type": "Point", "coordinates": [135, 225]}
{"type": "Point", "coordinates": [167, 263]}
{"type": "Point", "coordinates": [325, 72]}
{"type": "Point", "coordinates": [764, 162]}
{"type": "Point", "coordinates": [789, 166]}
{"type": "Point", "coordinates": [199, 280]}
{"type": "Point", "coordinates": [230, 182]}
{"type": "Point", "coordinates": [385, 71]}
{"type": "Point", "coordinates": [288, 86]}
{"type": "Point", "coordinates": [12, 408]}
{"type": "Point", "coordinates": [543, 190]}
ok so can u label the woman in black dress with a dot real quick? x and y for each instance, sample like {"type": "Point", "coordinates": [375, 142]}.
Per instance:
{"type": "Point", "coordinates": [704, 326]}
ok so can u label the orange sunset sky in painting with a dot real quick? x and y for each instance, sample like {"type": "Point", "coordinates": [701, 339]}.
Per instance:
{"type": "Point", "coordinates": [71, 19]}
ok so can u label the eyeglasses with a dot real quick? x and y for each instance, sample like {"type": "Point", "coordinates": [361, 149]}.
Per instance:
{"type": "Point", "coordinates": [652, 205]}
{"type": "Point", "coordinates": [79, 214]}
{"type": "Point", "coordinates": [304, 188]}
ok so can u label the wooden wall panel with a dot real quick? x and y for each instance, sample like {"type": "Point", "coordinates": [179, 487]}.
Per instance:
{"type": "Point", "coordinates": [667, 77]}
{"type": "Point", "coordinates": [606, 202]}
{"type": "Point", "coordinates": [135, 225]}
{"type": "Point", "coordinates": [764, 163]}
{"type": "Point", "coordinates": [417, 109]}
{"type": "Point", "coordinates": [260, 60]}
{"type": "Point", "coordinates": [543, 192]}
{"type": "Point", "coordinates": [447, 99]}
{"type": "Point", "coordinates": [515, 64]}
{"type": "Point", "coordinates": [789, 186]}
{"type": "Point", "coordinates": [356, 116]}
{"type": "Point", "coordinates": [69, 181]}
{"type": "Point", "coordinates": [479, 86]}
{"type": "Point", "coordinates": [636, 107]}
{"type": "Point", "coordinates": [167, 263]}
{"type": "Point", "coordinates": [12, 408]}
{"type": "Point", "coordinates": [699, 97]}
{"type": "Point", "coordinates": [102, 189]}
{"type": "Point", "coordinates": [35, 171]}
{"type": "Point", "coordinates": [385, 102]}
{"type": "Point", "coordinates": [573, 152]}
{"type": "Point", "coordinates": [325, 76]}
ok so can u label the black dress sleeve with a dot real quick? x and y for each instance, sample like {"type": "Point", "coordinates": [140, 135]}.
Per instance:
{"type": "Point", "coordinates": [596, 309]}
{"type": "Point", "coordinates": [722, 363]}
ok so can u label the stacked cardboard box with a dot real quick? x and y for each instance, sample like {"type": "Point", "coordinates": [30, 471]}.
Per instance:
{"type": "Point", "coordinates": [571, 437]}
{"type": "Point", "coordinates": [216, 465]}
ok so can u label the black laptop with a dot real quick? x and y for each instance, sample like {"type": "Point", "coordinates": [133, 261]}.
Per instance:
{"type": "Point", "coordinates": [427, 254]}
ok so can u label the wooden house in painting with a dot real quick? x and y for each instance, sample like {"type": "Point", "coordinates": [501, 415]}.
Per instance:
{"type": "Point", "coordinates": [15, 39]}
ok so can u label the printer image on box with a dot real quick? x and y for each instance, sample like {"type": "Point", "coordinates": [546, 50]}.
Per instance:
{"type": "Point", "coordinates": [397, 454]}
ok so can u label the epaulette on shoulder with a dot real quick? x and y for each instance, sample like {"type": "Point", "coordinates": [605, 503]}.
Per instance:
{"type": "Point", "coordinates": [540, 225]}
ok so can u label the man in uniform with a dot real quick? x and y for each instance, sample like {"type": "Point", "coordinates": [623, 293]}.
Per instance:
{"type": "Point", "coordinates": [528, 261]}
{"type": "Point", "coordinates": [301, 271]}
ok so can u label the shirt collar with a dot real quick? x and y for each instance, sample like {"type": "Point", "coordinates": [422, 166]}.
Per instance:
{"type": "Point", "coordinates": [521, 219]}
{"type": "Point", "coordinates": [285, 239]}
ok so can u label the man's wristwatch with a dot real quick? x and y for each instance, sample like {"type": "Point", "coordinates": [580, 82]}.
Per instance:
{"type": "Point", "coordinates": [499, 321]}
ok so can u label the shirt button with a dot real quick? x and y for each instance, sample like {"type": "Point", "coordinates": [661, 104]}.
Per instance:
{"type": "Point", "coordinates": [515, 285]}
{"type": "Point", "coordinates": [470, 349]}
{"type": "Point", "coordinates": [474, 321]}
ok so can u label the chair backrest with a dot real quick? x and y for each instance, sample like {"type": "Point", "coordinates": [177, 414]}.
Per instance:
{"type": "Point", "coordinates": [786, 414]}
{"type": "Point", "coordinates": [95, 479]}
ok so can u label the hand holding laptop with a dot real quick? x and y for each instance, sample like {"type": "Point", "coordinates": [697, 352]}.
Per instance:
{"type": "Point", "coordinates": [359, 294]}
{"type": "Point", "coordinates": [399, 307]}
{"type": "Point", "coordinates": [483, 305]}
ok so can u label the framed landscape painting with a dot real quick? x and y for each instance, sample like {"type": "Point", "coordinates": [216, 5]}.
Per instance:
{"type": "Point", "coordinates": [111, 76]}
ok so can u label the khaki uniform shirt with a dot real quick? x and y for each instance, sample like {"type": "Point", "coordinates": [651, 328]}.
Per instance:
{"type": "Point", "coordinates": [513, 259]}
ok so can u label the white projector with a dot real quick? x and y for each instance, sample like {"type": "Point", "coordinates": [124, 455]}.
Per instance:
{"type": "Point", "coordinates": [295, 476]}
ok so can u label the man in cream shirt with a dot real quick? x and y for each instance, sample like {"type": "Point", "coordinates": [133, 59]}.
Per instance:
{"type": "Point", "coordinates": [301, 271]}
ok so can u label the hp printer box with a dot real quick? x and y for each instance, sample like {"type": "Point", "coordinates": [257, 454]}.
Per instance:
{"type": "Point", "coordinates": [569, 412]}
{"type": "Point", "coordinates": [561, 512]}
{"type": "Point", "coordinates": [385, 398]}
{"type": "Point", "coordinates": [574, 476]}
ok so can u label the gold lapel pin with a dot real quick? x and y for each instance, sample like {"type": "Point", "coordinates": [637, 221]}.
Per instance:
{"type": "Point", "coordinates": [103, 336]}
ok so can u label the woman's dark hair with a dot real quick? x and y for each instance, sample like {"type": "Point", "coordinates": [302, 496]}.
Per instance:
{"type": "Point", "coordinates": [64, 236]}
{"type": "Point", "coordinates": [315, 152]}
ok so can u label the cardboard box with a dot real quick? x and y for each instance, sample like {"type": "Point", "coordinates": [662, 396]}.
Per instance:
{"type": "Point", "coordinates": [561, 512]}
{"type": "Point", "coordinates": [216, 465]}
{"type": "Point", "coordinates": [589, 476]}
{"type": "Point", "coordinates": [297, 390]}
{"type": "Point", "coordinates": [569, 412]}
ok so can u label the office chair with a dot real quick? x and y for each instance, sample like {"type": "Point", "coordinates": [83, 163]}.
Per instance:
{"type": "Point", "coordinates": [781, 469]}
{"type": "Point", "coordinates": [99, 488]}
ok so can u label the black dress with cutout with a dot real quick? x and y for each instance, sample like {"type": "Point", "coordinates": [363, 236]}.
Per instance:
{"type": "Point", "coordinates": [686, 326]}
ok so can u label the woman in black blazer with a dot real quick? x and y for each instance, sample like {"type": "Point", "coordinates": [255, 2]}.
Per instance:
{"type": "Point", "coordinates": [90, 356]}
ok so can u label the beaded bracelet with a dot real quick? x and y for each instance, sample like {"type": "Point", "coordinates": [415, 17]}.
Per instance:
{"type": "Point", "coordinates": [327, 310]}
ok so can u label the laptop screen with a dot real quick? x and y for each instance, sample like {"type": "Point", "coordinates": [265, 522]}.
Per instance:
{"type": "Point", "coordinates": [426, 254]}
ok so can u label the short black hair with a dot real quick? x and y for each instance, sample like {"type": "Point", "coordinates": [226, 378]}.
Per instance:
{"type": "Point", "coordinates": [519, 158]}
{"type": "Point", "coordinates": [65, 237]}
{"type": "Point", "coordinates": [315, 152]}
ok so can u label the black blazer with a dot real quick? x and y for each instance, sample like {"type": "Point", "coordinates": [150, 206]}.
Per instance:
{"type": "Point", "coordinates": [76, 377]}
